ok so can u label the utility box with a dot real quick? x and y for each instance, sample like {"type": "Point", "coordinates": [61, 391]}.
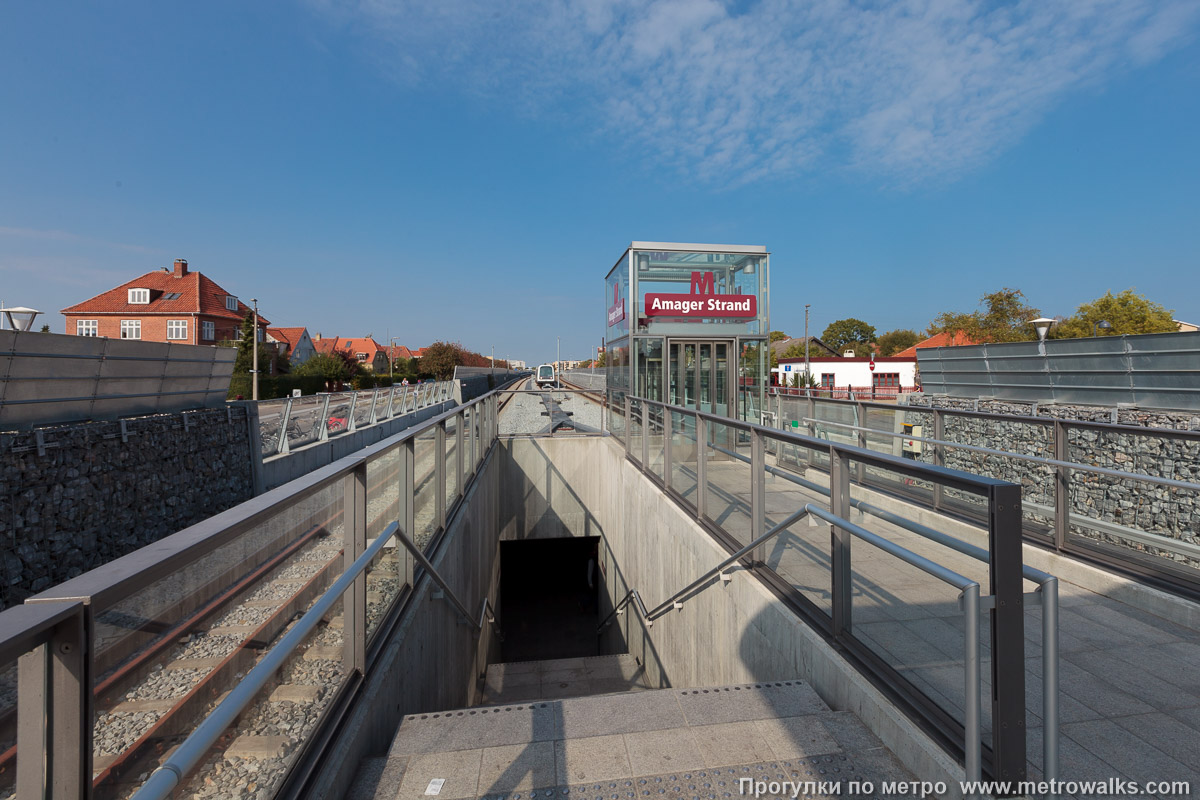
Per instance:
{"type": "Point", "coordinates": [911, 448]}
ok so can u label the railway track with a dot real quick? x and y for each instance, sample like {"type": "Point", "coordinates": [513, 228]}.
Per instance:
{"type": "Point", "coordinates": [169, 655]}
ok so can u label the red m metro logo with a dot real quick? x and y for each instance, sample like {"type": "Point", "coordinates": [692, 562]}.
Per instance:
{"type": "Point", "coordinates": [704, 283]}
{"type": "Point", "coordinates": [702, 302]}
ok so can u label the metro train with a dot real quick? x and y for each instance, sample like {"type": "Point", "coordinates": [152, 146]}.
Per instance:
{"type": "Point", "coordinates": [545, 376]}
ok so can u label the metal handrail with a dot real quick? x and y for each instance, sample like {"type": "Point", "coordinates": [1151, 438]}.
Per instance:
{"type": "Point", "coordinates": [969, 596]}
{"type": "Point", "coordinates": [437, 578]}
{"type": "Point", "coordinates": [674, 601]}
{"type": "Point", "coordinates": [1075, 465]}
{"type": "Point", "coordinates": [193, 749]}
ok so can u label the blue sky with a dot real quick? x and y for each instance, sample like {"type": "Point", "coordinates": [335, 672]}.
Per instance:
{"type": "Point", "coordinates": [467, 170]}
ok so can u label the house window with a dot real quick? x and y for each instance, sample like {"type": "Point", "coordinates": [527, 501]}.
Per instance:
{"type": "Point", "coordinates": [885, 379]}
{"type": "Point", "coordinates": [208, 330]}
{"type": "Point", "coordinates": [131, 329]}
{"type": "Point", "coordinates": [139, 296]}
{"type": "Point", "coordinates": [231, 302]}
{"type": "Point", "coordinates": [86, 327]}
{"type": "Point", "coordinates": [361, 356]}
{"type": "Point", "coordinates": [827, 379]}
{"type": "Point", "coordinates": [177, 329]}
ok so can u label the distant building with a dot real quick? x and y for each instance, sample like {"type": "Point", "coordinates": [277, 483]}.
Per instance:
{"type": "Point", "coordinates": [1185, 327]}
{"type": "Point", "coordinates": [943, 339]}
{"type": "Point", "coordinates": [175, 305]}
{"type": "Point", "coordinates": [369, 353]}
{"type": "Point", "coordinates": [839, 375]}
{"type": "Point", "coordinates": [294, 344]}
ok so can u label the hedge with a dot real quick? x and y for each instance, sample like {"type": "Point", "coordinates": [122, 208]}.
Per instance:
{"type": "Point", "coordinates": [278, 386]}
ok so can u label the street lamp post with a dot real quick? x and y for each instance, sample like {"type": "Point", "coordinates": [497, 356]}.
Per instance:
{"type": "Point", "coordinates": [254, 357]}
{"type": "Point", "coordinates": [1103, 325]}
{"type": "Point", "coordinates": [807, 379]}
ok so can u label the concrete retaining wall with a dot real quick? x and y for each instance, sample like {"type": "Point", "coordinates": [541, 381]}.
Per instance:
{"type": "Point", "coordinates": [73, 497]}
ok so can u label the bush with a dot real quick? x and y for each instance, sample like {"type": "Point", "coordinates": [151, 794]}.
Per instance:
{"type": "Point", "coordinates": [278, 386]}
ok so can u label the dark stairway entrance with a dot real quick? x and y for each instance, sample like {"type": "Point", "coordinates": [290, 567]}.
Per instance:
{"type": "Point", "coordinates": [549, 609]}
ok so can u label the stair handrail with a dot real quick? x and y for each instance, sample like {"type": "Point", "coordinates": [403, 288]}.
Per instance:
{"type": "Point", "coordinates": [440, 581]}
{"type": "Point", "coordinates": [675, 600]}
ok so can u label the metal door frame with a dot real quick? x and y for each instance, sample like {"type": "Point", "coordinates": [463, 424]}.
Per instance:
{"type": "Point", "coordinates": [731, 368]}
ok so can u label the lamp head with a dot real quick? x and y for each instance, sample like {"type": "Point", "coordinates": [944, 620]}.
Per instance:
{"type": "Point", "coordinates": [1042, 325]}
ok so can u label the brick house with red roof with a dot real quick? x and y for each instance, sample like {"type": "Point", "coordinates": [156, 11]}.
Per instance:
{"type": "Point", "coordinates": [176, 306]}
{"type": "Point", "coordinates": [369, 353]}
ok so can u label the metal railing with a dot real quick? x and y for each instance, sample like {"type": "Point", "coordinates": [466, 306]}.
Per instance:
{"type": "Point", "coordinates": [76, 642]}
{"type": "Point", "coordinates": [1066, 509]}
{"type": "Point", "coordinates": [700, 460]}
{"type": "Point", "coordinates": [293, 422]}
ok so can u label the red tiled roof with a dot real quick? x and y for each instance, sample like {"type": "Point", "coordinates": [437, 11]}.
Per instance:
{"type": "Point", "coordinates": [325, 345]}
{"type": "Point", "coordinates": [197, 295]}
{"type": "Point", "coordinates": [289, 336]}
{"type": "Point", "coordinates": [362, 344]}
{"type": "Point", "coordinates": [943, 339]}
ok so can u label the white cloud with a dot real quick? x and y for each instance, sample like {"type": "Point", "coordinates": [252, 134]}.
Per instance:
{"type": "Point", "coordinates": [733, 93]}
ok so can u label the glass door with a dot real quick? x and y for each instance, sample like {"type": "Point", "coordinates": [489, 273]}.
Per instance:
{"type": "Point", "coordinates": [698, 375]}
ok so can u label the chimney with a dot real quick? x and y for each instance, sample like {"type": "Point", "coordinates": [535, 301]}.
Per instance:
{"type": "Point", "coordinates": [180, 267]}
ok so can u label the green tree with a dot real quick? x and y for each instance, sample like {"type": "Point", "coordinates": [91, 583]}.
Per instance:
{"type": "Point", "coordinates": [45, 329]}
{"type": "Point", "coordinates": [777, 336]}
{"type": "Point", "coordinates": [849, 333]}
{"type": "Point", "coordinates": [600, 361]}
{"type": "Point", "coordinates": [1004, 317]}
{"type": "Point", "coordinates": [245, 351]}
{"type": "Point", "coordinates": [1127, 313]}
{"type": "Point", "coordinates": [440, 359]}
{"type": "Point", "coordinates": [893, 342]}
{"type": "Point", "coordinates": [329, 366]}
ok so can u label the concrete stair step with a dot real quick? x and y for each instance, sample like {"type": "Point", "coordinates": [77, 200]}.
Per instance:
{"type": "Point", "coordinates": [523, 681]}
{"type": "Point", "coordinates": [697, 736]}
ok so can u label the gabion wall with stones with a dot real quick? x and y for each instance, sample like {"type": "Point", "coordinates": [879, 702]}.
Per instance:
{"type": "Point", "coordinates": [91, 497]}
{"type": "Point", "coordinates": [1164, 511]}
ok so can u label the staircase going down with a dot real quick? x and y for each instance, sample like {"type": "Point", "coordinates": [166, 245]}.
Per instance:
{"type": "Point", "coordinates": [612, 737]}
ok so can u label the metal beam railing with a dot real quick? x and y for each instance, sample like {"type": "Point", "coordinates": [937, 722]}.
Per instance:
{"type": "Point", "coordinates": [646, 420]}
{"type": "Point", "coordinates": [56, 689]}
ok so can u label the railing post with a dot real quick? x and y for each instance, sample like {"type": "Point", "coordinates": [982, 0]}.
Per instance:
{"type": "Point", "coordinates": [460, 456]}
{"type": "Point", "coordinates": [323, 434]}
{"type": "Point", "coordinates": [839, 542]}
{"type": "Point", "coordinates": [281, 446]}
{"type": "Point", "coordinates": [811, 426]}
{"type": "Point", "coordinates": [645, 436]}
{"type": "Point", "coordinates": [408, 507]}
{"type": "Point", "coordinates": [758, 496]}
{"type": "Point", "coordinates": [1050, 701]}
{"type": "Point", "coordinates": [939, 454]}
{"type": "Point", "coordinates": [54, 714]}
{"type": "Point", "coordinates": [1062, 486]}
{"type": "Point", "coordinates": [701, 467]}
{"type": "Point", "coordinates": [354, 602]}
{"type": "Point", "coordinates": [668, 434]}
{"type": "Point", "coordinates": [628, 425]}
{"type": "Point", "coordinates": [439, 467]}
{"type": "Point", "coordinates": [861, 421]}
{"type": "Point", "coordinates": [374, 416]}
{"type": "Point", "coordinates": [350, 425]}
{"type": "Point", "coordinates": [1008, 633]}
{"type": "Point", "coordinates": [971, 710]}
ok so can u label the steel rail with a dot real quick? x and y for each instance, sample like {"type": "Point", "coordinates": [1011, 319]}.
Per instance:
{"type": "Point", "coordinates": [193, 749]}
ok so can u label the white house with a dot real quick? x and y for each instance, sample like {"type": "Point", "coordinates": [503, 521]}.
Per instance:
{"type": "Point", "coordinates": [879, 377]}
